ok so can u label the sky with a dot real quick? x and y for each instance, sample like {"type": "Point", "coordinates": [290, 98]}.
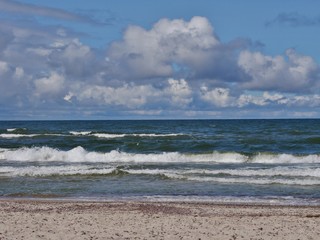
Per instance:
{"type": "Point", "coordinates": [168, 59]}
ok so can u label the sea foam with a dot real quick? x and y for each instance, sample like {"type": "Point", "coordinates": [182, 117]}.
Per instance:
{"type": "Point", "coordinates": [79, 154]}
{"type": "Point", "coordinates": [239, 176]}
{"type": "Point", "coordinates": [115, 135]}
{"type": "Point", "coordinates": [13, 135]}
{"type": "Point", "coordinates": [16, 129]}
{"type": "Point", "coordinates": [18, 135]}
{"type": "Point", "coordinates": [36, 171]}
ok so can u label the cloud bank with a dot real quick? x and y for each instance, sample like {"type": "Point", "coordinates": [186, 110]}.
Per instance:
{"type": "Point", "coordinates": [177, 68]}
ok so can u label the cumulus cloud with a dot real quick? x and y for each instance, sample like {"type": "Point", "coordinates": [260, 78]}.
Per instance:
{"type": "Point", "coordinates": [296, 74]}
{"type": "Point", "coordinates": [176, 94]}
{"type": "Point", "coordinates": [261, 100]}
{"type": "Point", "coordinates": [4, 68]}
{"type": "Point", "coordinates": [176, 67]}
{"type": "Point", "coordinates": [153, 53]}
{"type": "Point", "coordinates": [180, 92]}
{"type": "Point", "coordinates": [172, 48]}
{"type": "Point", "coordinates": [129, 96]}
{"type": "Point", "coordinates": [75, 58]}
{"type": "Point", "coordinates": [52, 84]}
{"type": "Point", "coordinates": [219, 97]}
{"type": "Point", "coordinates": [11, 79]}
{"type": "Point", "coordinates": [222, 98]}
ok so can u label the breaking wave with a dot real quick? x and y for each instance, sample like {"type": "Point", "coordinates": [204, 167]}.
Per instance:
{"type": "Point", "coordinates": [79, 154]}
{"type": "Point", "coordinates": [18, 133]}
{"type": "Point", "coordinates": [24, 135]}
{"type": "Point", "coordinates": [16, 129]}
{"type": "Point", "coordinates": [114, 135]}
{"type": "Point", "coordinates": [284, 176]}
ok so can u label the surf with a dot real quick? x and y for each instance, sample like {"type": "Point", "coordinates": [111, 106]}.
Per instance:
{"type": "Point", "coordinates": [79, 154]}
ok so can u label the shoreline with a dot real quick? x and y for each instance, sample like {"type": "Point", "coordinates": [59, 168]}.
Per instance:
{"type": "Point", "coordinates": [56, 219]}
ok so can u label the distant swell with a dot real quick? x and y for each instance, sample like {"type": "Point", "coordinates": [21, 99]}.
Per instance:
{"type": "Point", "coordinates": [114, 135]}
{"type": "Point", "coordinates": [79, 154]}
{"type": "Point", "coordinates": [18, 133]}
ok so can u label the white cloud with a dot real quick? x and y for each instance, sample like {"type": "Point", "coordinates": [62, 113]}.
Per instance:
{"type": "Point", "coordinates": [40, 51]}
{"type": "Point", "coordinates": [75, 51]}
{"type": "Point", "coordinates": [68, 97]}
{"type": "Point", "coordinates": [75, 58]}
{"type": "Point", "coordinates": [219, 97]}
{"type": "Point", "coordinates": [180, 92]}
{"type": "Point", "coordinates": [52, 84]}
{"type": "Point", "coordinates": [176, 67]}
{"type": "Point", "coordinates": [9, 73]}
{"type": "Point", "coordinates": [296, 74]}
{"type": "Point", "coordinates": [130, 96]}
{"type": "Point", "coordinates": [305, 101]}
{"type": "Point", "coordinates": [222, 98]}
{"type": "Point", "coordinates": [151, 53]}
{"type": "Point", "coordinates": [272, 97]}
{"type": "Point", "coordinates": [245, 100]}
{"type": "Point", "coordinates": [175, 94]}
{"type": "Point", "coordinates": [4, 67]}
{"type": "Point", "coordinates": [278, 100]}
{"type": "Point", "coordinates": [261, 100]}
{"type": "Point", "coordinates": [18, 73]}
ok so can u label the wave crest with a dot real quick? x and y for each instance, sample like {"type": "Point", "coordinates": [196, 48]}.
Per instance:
{"type": "Point", "coordinates": [79, 154]}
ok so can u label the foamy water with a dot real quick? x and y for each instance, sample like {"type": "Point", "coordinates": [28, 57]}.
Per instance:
{"type": "Point", "coordinates": [79, 154]}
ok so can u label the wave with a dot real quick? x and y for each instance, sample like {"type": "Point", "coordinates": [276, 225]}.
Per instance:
{"type": "Point", "coordinates": [180, 174]}
{"type": "Point", "coordinates": [19, 135]}
{"type": "Point", "coordinates": [261, 181]}
{"type": "Point", "coordinates": [79, 154]}
{"type": "Point", "coordinates": [281, 176]}
{"type": "Point", "coordinates": [13, 135]}
{"type": "Point", "coordinates": [80, 133]}
{"type": "Point", "coordinates": [260, 172]}
{"type": "Point", "coordinates": [107, 135]}
{"type": "Point", "coordinates": [36, 171]}
{"type": "Point", "coordinates": [114, 135]}
{"type": "Point", "coordinates": [43, 171]}
{"type": "Point", "coordinates": [171, 173]}
{"type": "Point", "coordinates": [16, 129]}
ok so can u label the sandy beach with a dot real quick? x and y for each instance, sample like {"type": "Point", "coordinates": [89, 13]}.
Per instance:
{"type": "Point", "coordinates": [28, 219]}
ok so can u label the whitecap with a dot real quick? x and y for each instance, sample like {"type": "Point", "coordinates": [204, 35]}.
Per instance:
{"type": "Point", "coordinates": [79, 154]}
{"type": "Point", "coordinates": [12, 135]}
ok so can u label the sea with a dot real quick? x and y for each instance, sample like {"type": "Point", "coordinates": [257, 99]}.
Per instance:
{"type": "Point", "coordinates": [223, 161]}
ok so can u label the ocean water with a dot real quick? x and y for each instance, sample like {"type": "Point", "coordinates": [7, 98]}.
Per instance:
{"type": "Point", "coordinates": [268, 161]}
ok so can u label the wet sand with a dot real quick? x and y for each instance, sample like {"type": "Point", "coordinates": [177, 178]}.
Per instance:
{"type": "Point", "coordinates": [44, 219]}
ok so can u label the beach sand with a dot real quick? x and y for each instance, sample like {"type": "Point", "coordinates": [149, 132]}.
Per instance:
{"type": "Point", "coordinates": [44, 219]}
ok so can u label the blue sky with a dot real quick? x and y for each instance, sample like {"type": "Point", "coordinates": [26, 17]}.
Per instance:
{"type": "Point", "coordinates": [153, 59]}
